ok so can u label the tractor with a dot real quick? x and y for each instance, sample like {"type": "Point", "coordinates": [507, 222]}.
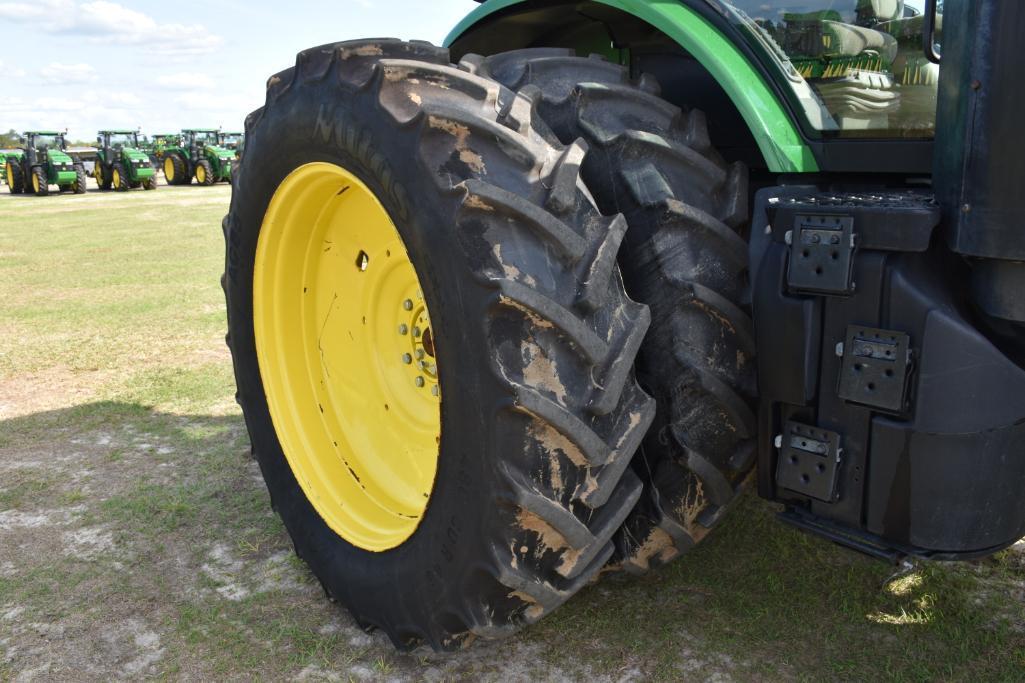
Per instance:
{"type": "Point", "coordinates": [120, 162]}
{"type": "Point", "coordinates": [42, 162]}
{"type": "Point", "coordinates": [200, 156]}
{"type": "Point", "coordinates": [156, 145]}
{"type": "Point", "coordinates": [535, 307]}
{"type": "Point", "coordinates": [234, 141]}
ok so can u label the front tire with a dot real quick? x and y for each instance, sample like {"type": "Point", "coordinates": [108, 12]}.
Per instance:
{"type": "Point", "coordinates": [39, 185]}
{"type": "Point", "coordinates": [150, 183]}
{"type": "Point", "coordinates": [118, 178]}
{"type": "Point", "coordinates": [533, 333]}
{"type": "Point", "coordinates": [80, 185]}
{"type": "Point", "coordinates": [205, 173]}
{"type": "Point", "coordinates": [101, 176]}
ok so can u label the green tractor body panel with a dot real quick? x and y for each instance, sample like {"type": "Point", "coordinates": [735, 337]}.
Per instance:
{"type": "Point", "coordinates": [773, 127]}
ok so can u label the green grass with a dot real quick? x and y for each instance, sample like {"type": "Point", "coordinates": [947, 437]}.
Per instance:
{"type": "Point", "coordinates": [111, 348]}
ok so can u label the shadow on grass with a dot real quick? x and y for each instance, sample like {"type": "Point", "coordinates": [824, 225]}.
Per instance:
{"type": "Point", "coordinates": [756, 600]}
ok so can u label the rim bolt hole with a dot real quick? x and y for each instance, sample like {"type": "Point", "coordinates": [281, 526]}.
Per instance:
{"type": "Point", "coordinates": [362, 261]}
{"type": "Point", "coordinates": [403, 329]}
{"type": "Point", "coordinates": [419, 381]}
{"type": "Point", "coordinates": [407, 359]}
{"type": "Point", "coordinates": [408, 304]}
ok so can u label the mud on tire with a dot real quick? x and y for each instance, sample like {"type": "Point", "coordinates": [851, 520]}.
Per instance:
{"type": "Point", "coordinates": [684, 256]}
{"type": "Point", "coordinates": [535, 338]}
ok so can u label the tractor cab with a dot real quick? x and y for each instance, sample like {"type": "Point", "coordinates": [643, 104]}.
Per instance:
{"type": "Point", "coordinates": [38, 145]}
{"type": "Point", "coordinates": [233, 141]}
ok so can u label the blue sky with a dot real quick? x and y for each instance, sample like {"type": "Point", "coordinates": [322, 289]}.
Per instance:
{"type": "Point", "coordinates": [90, 64]}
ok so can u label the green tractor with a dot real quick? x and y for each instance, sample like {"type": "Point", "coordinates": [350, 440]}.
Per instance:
{"type": "Point", "coordinates": [120, 162]}
{"type": "Point", "coordinates": [235, 141]}
{"type": "Point", "coordinates": [535, 307]}
{"type": "Point", "coordinates": [157, 144]}
{"type": "Point", "coordinates": [200, 156]}
{"type": "Point", "coordinates": [42, 162]}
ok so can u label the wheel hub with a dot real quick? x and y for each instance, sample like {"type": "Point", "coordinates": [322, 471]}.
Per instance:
{"type": "Point", "coordinates": [347, 356]}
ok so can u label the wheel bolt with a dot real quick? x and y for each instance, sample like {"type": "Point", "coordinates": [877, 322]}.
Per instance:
{"type": "Point", "coordinates": [416, 332]}
{"type": "Point", "coordinates": [407, 359]}
{"type": "Point", "coordinates": [408, 304]}
{"type": "Point", "coordinates": [434, 390]}
{"type": "Point", "coordinates": [422, 365]}
{"type": "Point", "coordinates": [403, 329]}
{"type": "Point", "coordinates": [419, 381]}
{"type": "Point", "coordinates": [420, 353]}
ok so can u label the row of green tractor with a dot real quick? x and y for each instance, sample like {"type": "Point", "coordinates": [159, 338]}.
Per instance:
{"type": "Point", "coordinates": [122, 160]}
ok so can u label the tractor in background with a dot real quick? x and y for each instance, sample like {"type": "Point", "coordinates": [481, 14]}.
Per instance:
{"type": "Point", "coordinates": [121, 164]}
{"type": "Point", "coordinates": [199, 155]}
{"type": "Point", "coordinates": [42, 162]}
{"type": "Point", "coordinates": [157, 144]}
{"type": "Point", "coordinates": [234, 141]}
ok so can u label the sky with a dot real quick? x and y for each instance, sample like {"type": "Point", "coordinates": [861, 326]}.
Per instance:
{"type": "Point", "coordinates": [163, 66]}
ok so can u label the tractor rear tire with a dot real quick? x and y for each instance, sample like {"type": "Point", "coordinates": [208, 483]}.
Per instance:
{"type": "Point", "coordinates": [80, 186]}
{"type": "Point", "coordinates": [15, 177]}
{"type": "Point", "coordinates": [535, 336]}
{"type": "Point", "coordinates": [39, 184]}
{"type": "Point", "coordinates": [685, 257]}
{"type": "Point", "coordinates": [176, 170]}
{"type": "Point", "coordinates": [205, 173]}
{"type": "Point", "coordinates": [118, 178]}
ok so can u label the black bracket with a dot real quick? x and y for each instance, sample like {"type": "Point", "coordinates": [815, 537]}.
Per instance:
{"type": "Point", "coordinates": [809, 461]}
{"type": "Point", "coordinates": [876, 368]}
{"type": "Point", "coordinates": [822, 255]}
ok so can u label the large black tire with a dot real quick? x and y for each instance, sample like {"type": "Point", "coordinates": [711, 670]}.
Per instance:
{"type": "Point", "coordinates": [80, 186]}
{"type": "Point", "coordinates": [150, 183]}
{"type": "Point", "coordinates": [685, 257]}
{"type": "Point", "coordinates": [39, 182]}
{"type": "Point", "coordinates": [541, 413]}
{"type": "Point", "coordinates": [15, 177]}
{"type": "Point", "coordinates": [121, 184]}
{"type": "Point", "coordinates": [180, 170]}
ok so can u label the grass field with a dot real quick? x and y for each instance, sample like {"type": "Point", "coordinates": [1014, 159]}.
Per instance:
{"type": "Point", "coordinates": [136, 537]}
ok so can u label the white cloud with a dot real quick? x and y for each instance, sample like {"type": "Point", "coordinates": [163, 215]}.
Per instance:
{"type": "Point", "coordinates": [186, 81]}
{"type": "Point", "coordinates": [62, 74]}
{"type": "Point", "coordinates": [101, 21]}
{"type": "Point", "coordinates": [10, 71]}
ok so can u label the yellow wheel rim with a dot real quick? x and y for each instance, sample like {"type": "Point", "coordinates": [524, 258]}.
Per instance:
{"type": "Point", "coordinates": [98, 172]}
{"type": "Point", "coordinates": [201, 173]}
{"type": "Point", "coordinates": [35, 182]}
{"type": "Point", "coordinates": [10, 173]}
{"type": "Point", "coordinates": [116, 178]}
{"type": "Point", "coordinates": [346, 355]}
{"type": "Point", "coordinates": [169, 169]}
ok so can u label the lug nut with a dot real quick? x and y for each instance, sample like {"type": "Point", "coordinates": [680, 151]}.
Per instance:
{"type": "Point", "coordinates": [407, 359]}
{"type": "Point", "coordinates": [403, 329]}
{"type": "Point", "coordinates": [408, 304]}
{"type": "Point", "coordinates": [419, 381]}
{"type": "Point", "coordinates": [416, 332]}
{"type": "Point", "coordinates": [419, 353]}
{"type": "Point", "coordinates": [434, 390]}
